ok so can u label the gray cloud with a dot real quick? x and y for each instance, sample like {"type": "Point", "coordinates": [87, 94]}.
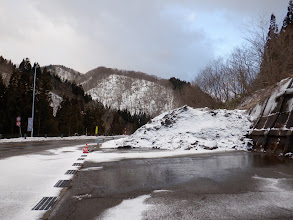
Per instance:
{"type": "Point", "coordinates": [166, 38]}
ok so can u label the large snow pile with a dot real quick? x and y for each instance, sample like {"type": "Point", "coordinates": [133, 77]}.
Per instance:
{"type": "Point", "coordinates": [187, 128]}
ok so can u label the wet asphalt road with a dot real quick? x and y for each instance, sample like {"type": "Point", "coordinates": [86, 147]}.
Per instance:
{"type": "Point", "coordinates": [234, 185]}
{"type": "Point", "coordinates": [22, 148]}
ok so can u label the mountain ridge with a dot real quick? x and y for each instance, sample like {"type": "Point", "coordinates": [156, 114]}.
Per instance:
{"type": "Point", "coordinates": [135, 91]}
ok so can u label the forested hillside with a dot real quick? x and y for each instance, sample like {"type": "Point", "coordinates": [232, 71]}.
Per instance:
{"type": "Point", "coordinates": [76, 113]}
{"type": "Point", "coordinates": [264, 60]}
{"type": "Point", "coordinates": [136, 91]}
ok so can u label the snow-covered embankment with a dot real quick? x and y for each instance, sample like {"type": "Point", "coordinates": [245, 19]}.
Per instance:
{"type": "Point", "coordinates": [186, 128]}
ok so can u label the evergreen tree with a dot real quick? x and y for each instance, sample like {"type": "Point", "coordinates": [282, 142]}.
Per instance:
{"type": "Point", "coordinates": [177, 83]}
{"type": "Point", "coordinates": [76, 113]}
{"type": "Point", "coordinates": [25, 65]}
{"type": "Point", "coordinates": [77, 117]}
{"type": "Point", "coordinates": [93, 117]}
{"type": "Point", "coordinates": [288, 21]}
{"type": "Point", "coordinates": [64, 116]}
{"type": "Point", "coordinates": [12, 106]}
{"type": "Point", "coordinates": [273, 29]}
{"type": "Point", "coordinates": [89, 121]}
{"type": "Point", "coordinates": [44, 112]}
{"type": "Point", "coordinates": [3, 115]}
{"type": "Point", "coordinates": [116, 126]}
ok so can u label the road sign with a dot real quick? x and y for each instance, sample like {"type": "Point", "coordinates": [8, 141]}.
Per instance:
{"type": "Point", "coordinates": [29, 124]}
{"type": "Point", "coordinates": [18, 118]}
{"type": "Point", "coordinates": [18, 123]}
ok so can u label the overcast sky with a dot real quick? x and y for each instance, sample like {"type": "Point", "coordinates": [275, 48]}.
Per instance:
{"type": "Point", "coordinates": [160, 37]}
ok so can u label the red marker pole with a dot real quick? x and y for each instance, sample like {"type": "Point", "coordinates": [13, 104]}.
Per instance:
{"type": "Point", "coordinates": [125, 132]}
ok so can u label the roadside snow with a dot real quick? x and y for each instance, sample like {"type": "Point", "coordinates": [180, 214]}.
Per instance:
{"type": "Point", "coordinates": [186, 128]}
{"type": "Point", "coordinates": [128, 209]}
{"type": "Point", "coordinates": [25, 180]}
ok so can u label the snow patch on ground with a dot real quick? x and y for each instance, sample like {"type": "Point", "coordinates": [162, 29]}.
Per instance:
{"type": "Point", "coordinates": [270, 184]}
{"type": "Point", "coordinates": [186, 128]}
{"type": "Point", "coordinates": [91, 168]}
{"type": "Point", "coordinates": [80, 197]}
{"type": "Point", "coordinates": [161, 190]}
{"type": "Point", "coordinates": [128, 209]}
{"type": "Point", "coordinates": [25, 180]}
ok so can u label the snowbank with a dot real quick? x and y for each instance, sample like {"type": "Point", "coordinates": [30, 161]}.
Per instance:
{"type": "Point", "coordinates": [25, 180]}
{"type": "Point", "coordinates": [128, 209]}
{"type": "Point", "coordinates": [186, 128]}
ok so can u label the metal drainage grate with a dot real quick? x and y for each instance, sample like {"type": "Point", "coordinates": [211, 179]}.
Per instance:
{"type": "Point", "coordinates": [71, 171]}
{"type": "Point", "coordinates": [83, 155]}
{"type": "Point", "coordinates": [80, 159]}
{"type": "Point", "coordinates": [46, 203]}
{"type": "Point", "coordinates": [77, 164]}
{"type": "Point", "coordinates": [62, 183]}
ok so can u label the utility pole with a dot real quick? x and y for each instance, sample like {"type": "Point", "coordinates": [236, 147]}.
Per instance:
{"type": "Point", "coordinates": [34, 94]}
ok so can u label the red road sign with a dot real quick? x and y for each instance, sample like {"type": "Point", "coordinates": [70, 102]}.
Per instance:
{"type": "Point", "coordinates": [18, 118]}
{"type": "Point", "coordinates": [18, 123]}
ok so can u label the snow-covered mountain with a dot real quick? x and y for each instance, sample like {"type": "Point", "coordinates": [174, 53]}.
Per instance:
{"type": "Point", "coordinates": [64, 73]}
{"type": "Point", "coordinates": [135, 91]}
{"type": "Point", "coordinates": [123, 92]}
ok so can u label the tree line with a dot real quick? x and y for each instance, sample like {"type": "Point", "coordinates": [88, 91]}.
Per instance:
{"type": "Point", "coordinates": [265, 59]}
{"type": "Point", "coordinates": [77, 114]}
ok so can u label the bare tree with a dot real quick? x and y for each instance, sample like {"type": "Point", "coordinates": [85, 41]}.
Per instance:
{"type": "Point", "coordinates": [256, 36]}
{"type": "Point", "coordinates": [229, 78]}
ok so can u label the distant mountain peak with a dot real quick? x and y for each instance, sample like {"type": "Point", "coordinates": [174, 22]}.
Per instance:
{"type": "Point", "coordinates": [64, 73]}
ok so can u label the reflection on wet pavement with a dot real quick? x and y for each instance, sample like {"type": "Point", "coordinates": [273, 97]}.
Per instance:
{"type": "Point", "coordinates": [234, 185]}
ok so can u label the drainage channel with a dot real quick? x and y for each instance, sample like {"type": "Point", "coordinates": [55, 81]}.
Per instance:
{"type": "Point", "coordinates": [68, 172]}
{"type": "Point", "coordinates": [62, 183]}
{"type": "Point", "coordinates": [47, 203]}
{"type": "Point", "coordinates": [77, 164]}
